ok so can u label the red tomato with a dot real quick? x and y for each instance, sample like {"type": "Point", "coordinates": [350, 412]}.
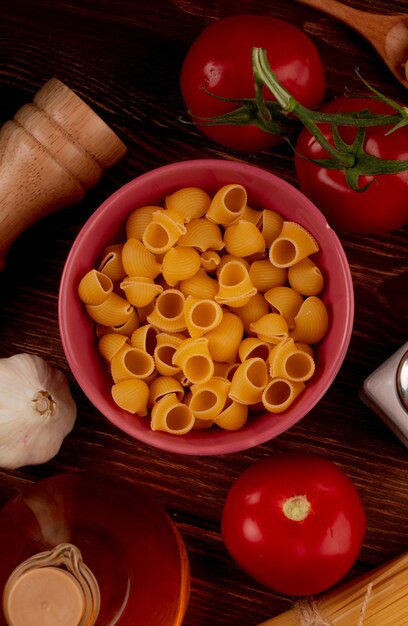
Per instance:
{"type": "Point", "coordinates": [384, 205]}
{"type": "Point", "coordinates": [294, 522]}
{"type": "Point", "coordinates": [220, 61]}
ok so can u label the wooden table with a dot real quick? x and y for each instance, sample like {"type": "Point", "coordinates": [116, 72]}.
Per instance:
{"type": "Point", "coordinates": [124, 57]}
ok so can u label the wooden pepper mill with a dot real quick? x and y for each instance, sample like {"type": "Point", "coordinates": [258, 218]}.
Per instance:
{"type": "Point", "coordinates": [51, 153]}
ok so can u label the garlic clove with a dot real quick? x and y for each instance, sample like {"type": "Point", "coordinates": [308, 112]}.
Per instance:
{"type": "Point", "coordinates": [37, 410]}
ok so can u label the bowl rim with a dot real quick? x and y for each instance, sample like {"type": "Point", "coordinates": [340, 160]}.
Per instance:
{"type": "Point", "coordinates": [230, 441]}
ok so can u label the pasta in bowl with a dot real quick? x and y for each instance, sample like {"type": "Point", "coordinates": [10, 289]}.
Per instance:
{"type": "Point", "coordinates": [206, 307]}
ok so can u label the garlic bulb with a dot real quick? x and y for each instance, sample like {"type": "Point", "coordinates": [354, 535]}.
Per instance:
{"type": "Point", "coordinates": [37, 410]}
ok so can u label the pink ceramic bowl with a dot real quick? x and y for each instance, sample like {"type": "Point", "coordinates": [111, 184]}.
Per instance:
{"type": "Point", "coordinates": [106, 226]}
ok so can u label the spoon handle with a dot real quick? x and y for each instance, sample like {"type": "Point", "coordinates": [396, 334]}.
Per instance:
{"type": "Point", "coordinates": [341, 11]}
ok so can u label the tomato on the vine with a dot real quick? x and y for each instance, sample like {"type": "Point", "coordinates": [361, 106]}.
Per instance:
{"type": "Point", "coordinates": [383, 205]}
{"type": "Point", "coordinates": [219, 63]}
{"type": "Point", "coordinates": [294, 522]}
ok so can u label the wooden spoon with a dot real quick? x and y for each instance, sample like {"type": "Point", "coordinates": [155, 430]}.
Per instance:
{"type": "Point", "coordinates": [387, 33]}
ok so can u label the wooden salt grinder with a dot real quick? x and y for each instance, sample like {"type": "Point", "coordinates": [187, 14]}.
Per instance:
{"type": "Point", "coordinates": [51, 153]}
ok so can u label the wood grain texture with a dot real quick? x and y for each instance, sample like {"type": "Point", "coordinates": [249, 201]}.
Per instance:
{"type": "Point", "coordinates": [124, 58]}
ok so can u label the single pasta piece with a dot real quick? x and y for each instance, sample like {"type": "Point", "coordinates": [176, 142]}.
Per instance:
{"type": "Point", "coordinates": [210, 260]}
{"type": "Point", "coordinates": [162, 386]}
{"type": "Point", "coordinates": [243, 239]}
{"type": "Point", "coordinates": [224, 339]}
{"type": "Point", "coordinates": [122, 329]}
{"type": "Point", "coordinates": [163, 231]}
{"type": "Point", "coordinates": [140, 291]}
{"type": "Point", "coordinates": [138, 261]}
{"type": "Point", "coordinates": [226, 258]}
{"type": "Point", "coordinates": [192, 202]}
{"type": "Point", "coordinates": [235, 287]}
{"type": "Point", "coordinates": [271, 328]}
{"type": "Point", "coordinates": [264, 275]}
{"type": "Point", "coordinates": [113, 311]}
{"type": "Point", "coordinates": [168, 312]}
{"type": "Point", "coordinates": [306, 277]}
{"type": "Point", "coordinates": [228, 204]}
{"type": "Point", "coordinates": [311, 322]}
{"type": "Point", "coordinates": [202, 315]}
{"type": "Point", "coordinates": [111, 263]}
{"type": "Point", "coordinates": [279, 394]}
{"type": "Point", "coordinates": [287, 361]}
{"type": "Point", "coordinates": [109, 344]}
{"type": "Point", "coordinates": [194, 358]}
{"type": "Point", "coordinates": [145, 338]}
{"type": "Point", "coordinates": [208, 399]}
{"type": "Point", "coordinates": [129, 362]}
{"type": "Point", "coordinates": [233, 416]}
{"type": "Point", "coordinates": [203, 235]}
{"type": "Point", "coordinates": [293, 244]}
{"type": "Point", "coordinates": [199, 286]}
{"type": "Point", "coordinates": [249, 381]}
{"type": "Point", "coordinates": [180, 263]}
{"type": "Point", "coordinates": [253, 347]}
{"type": "Point", "coordinates": [131, 395]}
{"type": "Point", "coordinates": [166, 346]}
{"type": "Point", "coordinates": [95, 287]}
{"type": "Point", "coordinates": [138, 220]}
{"type": "Point", "coordinates": [271, 227]}
{"type": "Point", "coordinates": [171, 416]}
{"type": "Point", "coordinates": [255, 308]}
{"type": "Point", "coordinates": [286, 301]}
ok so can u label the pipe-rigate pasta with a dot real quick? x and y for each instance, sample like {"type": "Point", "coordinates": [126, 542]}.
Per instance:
{"type": "Point", "coordinates": [201, 285]}
{"type": "Point", "coordinates": [194, 359]}
{"type": "Point", "coordinates": [180, 263]}
{"type": "Point", "coordinates": [210, 260]}
{"type": "Point", "coordinates": [311, 322]}
{"type": "Point", "coordinates": [111, 263]}
{"type": "Point", "coordinates": [249, 381]}
{"type": "Point", "coordinates": [272, 328]}
{"type": "Point", "coordinates": [202, 315]}
{"type": "Point", "coordinates": [208, 399]}
{"type": "Point", "coordinates": [131, 395]}
{"type": "Point", "coordinates": [95, 287]}
{"type": "Point", "coordinates": [208, 311]}
{"type": "Point", "coordinates": [264, 275]}
{"type": "Point", "coordinates": [192, 202]}
{"type": "Point", "coordinates": [163, 231]}
{"type": "Point", "coordinates": [255, 308]}
{"type": "Point", "coordinates": [138, 261]}
{"type": "Point", "coordinates": [271, 226]}
{"type": "Point", "coordinates": [286, 301]}
{"type": "Point", "coordinates": [110, 344]}
{"type": "Point", "coordinates": [202, 235]}
{"type": "Point", "coordinates": [228, 204]}
{"type": "Point", "coordinates": [171, 416]}
{"type": "Point", "coordinates": [168, 311]}
{"type": "Point", "coordinates": [113, 311]}
{"type": "Point", "coordinates": [233, 416]}
{"type": "Point", "coordinates": [306, 277]}
{"type": "Point", "coordinates": [122, 329]}
{"type": "Point", "coordinates": [243, 239]}
{"type": "Point", "coordinates": [280, 393]}
{"type": "Point", "coordinates": [139, 290]}
{"type": "Point", "coordinates": [253, 347]}
{"type": "Point", "coordinates": [293, 244]}
{"type": "Point", "coordinates": [287, 361]}
{"type": "Point", "coordinates": [138, 220]}
{"type": "Point", "coordinates": [145, 338]}
{"type": "Point", "coordinates": [130, 362]}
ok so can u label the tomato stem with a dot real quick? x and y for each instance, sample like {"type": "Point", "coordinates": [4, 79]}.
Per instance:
{"type": "Point", "coordinates": [297, 508]}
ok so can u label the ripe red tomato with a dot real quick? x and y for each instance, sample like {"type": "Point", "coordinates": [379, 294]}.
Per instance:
{"type": "Point", "coordinates": [220, 61]}
{"type": "Point", "coordinates": [382, 207]}
{"type": "Point", "coordinates": [294, 522]}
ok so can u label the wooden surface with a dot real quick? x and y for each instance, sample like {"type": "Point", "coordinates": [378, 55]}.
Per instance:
{"type": "Point", "coordinates": [124, 57]}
